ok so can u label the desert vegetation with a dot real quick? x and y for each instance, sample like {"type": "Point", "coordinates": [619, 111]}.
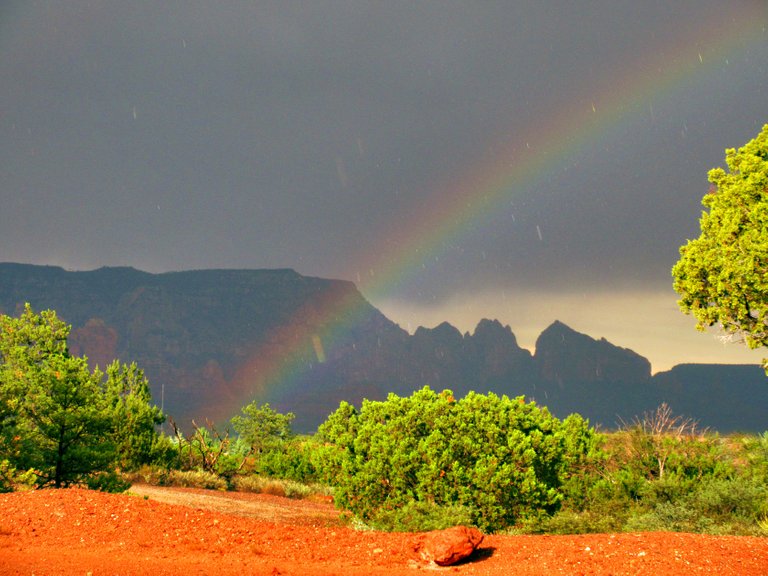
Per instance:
{"type": "Point", "coordinates": [421, 462]}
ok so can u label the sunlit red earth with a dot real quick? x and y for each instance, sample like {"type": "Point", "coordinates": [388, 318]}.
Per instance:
{"type": "Point", "coordinates": [182, 531]}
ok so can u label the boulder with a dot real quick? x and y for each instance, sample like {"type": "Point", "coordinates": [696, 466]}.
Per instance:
{"type": "Point", "coordinates": [449, 546]}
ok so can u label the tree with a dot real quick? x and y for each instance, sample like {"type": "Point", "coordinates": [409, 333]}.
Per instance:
{"type": "Point", "coordinates": [68, 421]}
{"type": "Point", "coordinates": [60, 419]}
{"type": "Point", "coordinates": [134, 418]}
{"type": "Point", "coordinates": [60, 424]}
{"type": "Point", "coordinates": [262, 428]}
{"type": "Point", "coordinates": [23, 344]}
{"type": "Point", "coordinates": [722, 276]}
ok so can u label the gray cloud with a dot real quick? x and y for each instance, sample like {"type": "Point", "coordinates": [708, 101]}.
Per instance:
{"type": "Point", "coordinates": [312, 134]}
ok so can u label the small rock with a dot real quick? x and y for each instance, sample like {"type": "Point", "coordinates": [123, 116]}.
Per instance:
{"type": "Point", "coordinates": [449, 546]}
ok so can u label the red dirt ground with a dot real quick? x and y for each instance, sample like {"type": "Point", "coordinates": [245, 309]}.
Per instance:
{"type": "Point", "coordinates": [51, 532]}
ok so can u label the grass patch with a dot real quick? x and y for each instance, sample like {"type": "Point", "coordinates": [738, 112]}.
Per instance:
{"type": "Point", "coordinates": [195, 479]}
{"type": "Point", "coordinates": [279, 487]}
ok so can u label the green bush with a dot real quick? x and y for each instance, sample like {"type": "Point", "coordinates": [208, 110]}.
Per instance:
{"type": "Point", "coordinates": [753, 453]}
{"type": "Point", "coordinates": [575, 522]}
{"type": "Point", "coordinates": [292, 460]}
{"type": "Point", "coordinates": [727, 499]}
{"type": "Point", "coordinates": [107, 482]}
{"type": "Point", "coordinates": [297, 490]}
{"type": "Point", "coordinates": [670, 517]}
{"type": "Point", "coordinates": [501, 458]}
{"type": "Point", "coordinates": [12, 479]}
{"type": "Point", "coordinates": [653, 476]}
{"type": "Point", "coordinates": [227, 466]}
{"type": "Point", "coordinates": [164, 452]}
{"type": "Point", "coordinates": [7, 475]}
{"type": "Point", "coordinates": [422, 517]}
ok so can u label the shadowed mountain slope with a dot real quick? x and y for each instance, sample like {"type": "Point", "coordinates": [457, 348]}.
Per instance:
{"type": "Point", "coordinates": [211, 341]}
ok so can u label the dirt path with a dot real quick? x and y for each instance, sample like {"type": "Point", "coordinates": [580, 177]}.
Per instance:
{"type": "Point", "coordinates": [263, 506]}
{"type": "Point", "coordinates": [190, 532]}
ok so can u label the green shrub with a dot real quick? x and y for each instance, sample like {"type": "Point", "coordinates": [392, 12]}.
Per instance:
{"type": "Point", "coordinates": [501, 458]}
{"type": "Point", "coordinates": [7, 474]}
{"type": "Point", "coordinates": [422, 517]}
{"type": "Point", "coordinates": [726, 499]}
{"type": "Point", "coordinates": [291, 460]}
{"type": "Point", "coordinates": [164, 452]}
{"type": "Point", "coordinates": [107, 482]}
{"type": "Point", "coordinates": [670, 488]}
{"type": "Point", "coordinates": [297, 490]}
{"type": "Point", "coordinates": [753, 456]}
{"type": "Point", "coordinates": [574, 522]}
{"type": "Point", "coordinates": [708, 484]}
{"type": "Point", "coordinates": [670, 517]}
{"type": "Point", "coordinates": [12, 479]}
{"type": "Point", "coordinates": [227, 466]}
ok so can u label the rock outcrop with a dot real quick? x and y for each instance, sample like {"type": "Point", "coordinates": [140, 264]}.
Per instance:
{"type": "Point", "coordinates": [564, 355]}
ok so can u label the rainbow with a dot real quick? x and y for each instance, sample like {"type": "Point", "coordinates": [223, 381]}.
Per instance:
{"type": "Point", "coordinates": [514, 170]}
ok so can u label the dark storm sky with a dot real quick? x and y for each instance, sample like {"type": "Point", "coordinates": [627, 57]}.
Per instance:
{"type": "Point", "coordinates": [320, 135]}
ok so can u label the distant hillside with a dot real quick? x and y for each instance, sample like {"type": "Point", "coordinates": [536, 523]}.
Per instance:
{"type": "Point", "coordinates": [211, 341]}
{"type": "Point", "coordinates": [724, 397]}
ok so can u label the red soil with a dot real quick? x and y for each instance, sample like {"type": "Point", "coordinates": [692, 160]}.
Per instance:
{"type": "Point", "coordinates": [81, 532]}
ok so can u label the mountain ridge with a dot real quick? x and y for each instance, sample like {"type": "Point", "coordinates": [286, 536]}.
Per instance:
{"type": "Point", "coordinates": [212, 340]}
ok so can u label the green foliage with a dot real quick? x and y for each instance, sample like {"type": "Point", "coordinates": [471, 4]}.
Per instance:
{"type": "Point", "coordinates": [741, 498]}
{"type": "Point", "coordinates": [205, 449]}
{"type": "Point", "coordinates": [25, 344]}
{"type": "Point", "coordinates": [568, 521]}
{"type": "Point", "coordinates": [70, 425]}
{"type": "Point", "coordinates": [669, 517]}
{"type": "Point", "coordinates": [420, 516]}
{"type": "Point", "coordinates": [722, 276]}
{"type": "Point", "coordinates": [660, 473]}
{"type": "Point", "coordinates": [164, 452]}
{"type": "Point", "coordinates": [134, 418]}
{"type": "Point", "coordinates": [262, 428]}
{"type": "Point", "coordinates": [58, 420]}
{"type": "Point", "coordinates": [661, 443]}
{"type": "Point", "coordinates": [501, 458]}
{"type": "Point", "coordinates": [712, 505]}
{"type": "Point", "coordinates": [7, 474]}
{"type": "Point", "coordinates": [107, 482]}
{"type": "Point", "coordinates": [291, 460]}
{"type": "Point", "coordinates": [12, 479]}
{"type": "Point", "coordinates": [754, 450]}
{"type": "Point", "coordinates": [265, 446]}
